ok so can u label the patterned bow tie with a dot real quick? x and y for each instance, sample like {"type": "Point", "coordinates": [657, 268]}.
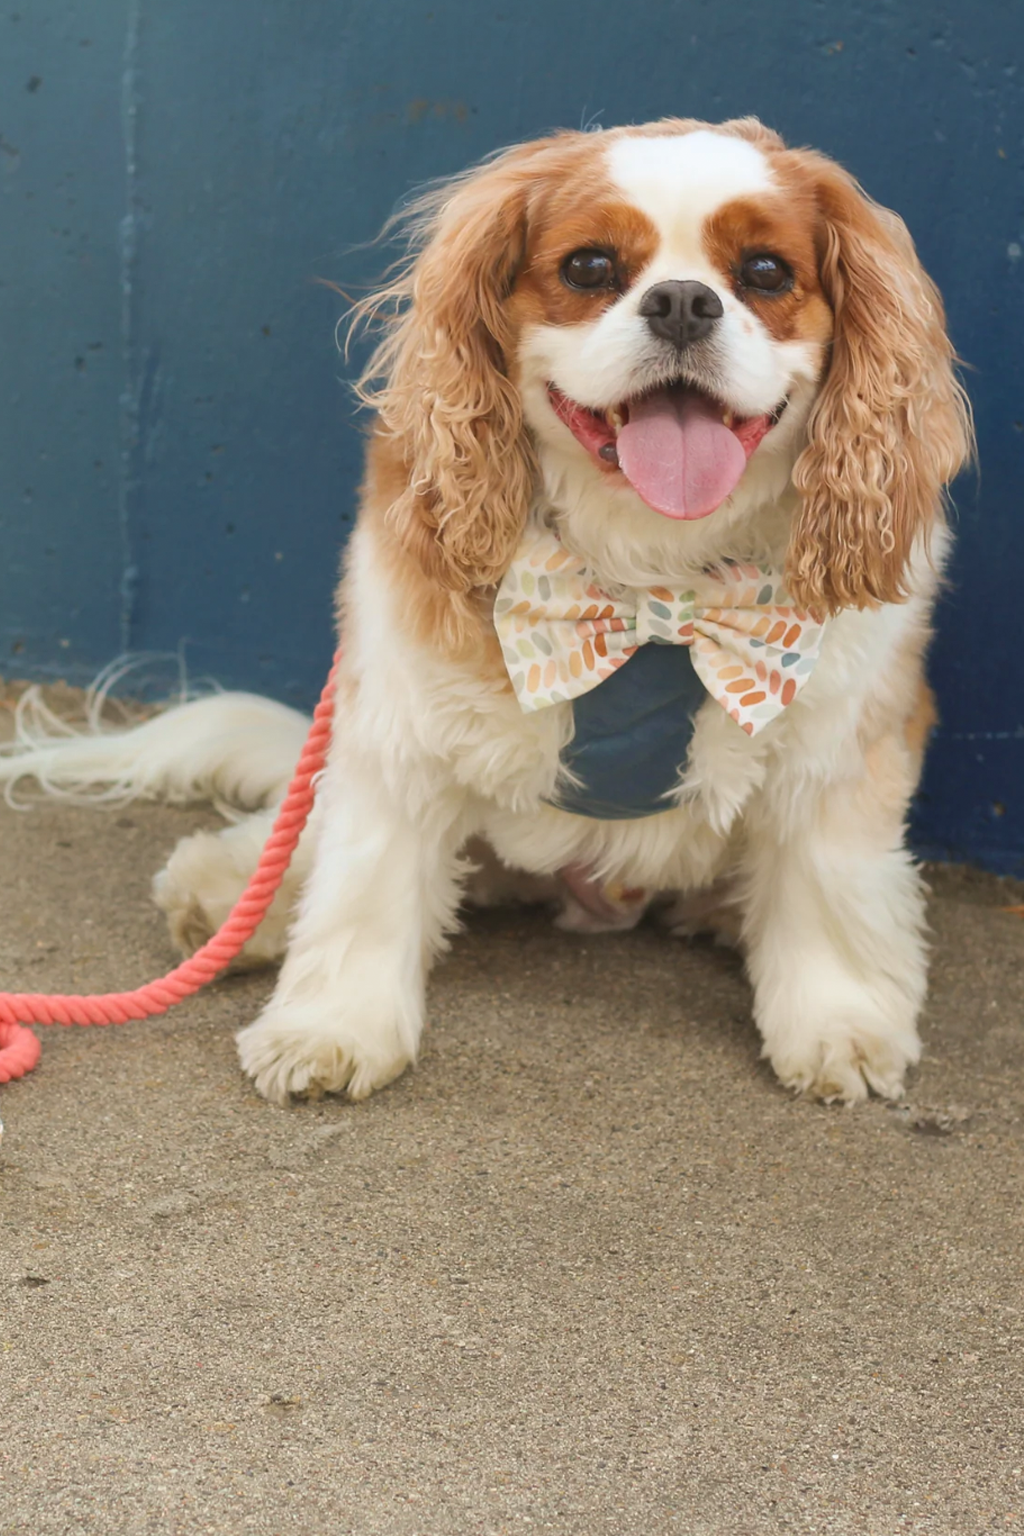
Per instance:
{"type": "Point", "coordinates": [561, 636]}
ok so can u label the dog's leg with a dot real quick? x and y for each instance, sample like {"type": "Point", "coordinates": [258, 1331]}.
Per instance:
{"type": "Point", "coordinates": [833, 926]}
{"type": "Point", "coordinates": [207, 873]}
{"type": "Point", "coordinates": [347, 1012]}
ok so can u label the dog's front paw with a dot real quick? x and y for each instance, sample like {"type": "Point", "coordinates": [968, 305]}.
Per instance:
{"type": "Point", "coordinates": [846, 1061]}
{"type": "Point", "coordinates": [293, 1050]}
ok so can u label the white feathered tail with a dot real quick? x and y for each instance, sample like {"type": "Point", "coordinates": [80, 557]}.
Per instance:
{"type": "Point", "coordinates": [236, 749]}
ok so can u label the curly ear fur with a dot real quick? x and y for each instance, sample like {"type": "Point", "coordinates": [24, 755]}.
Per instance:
{"type": "Point", "coordinates": [438, 380]}
{"type": "Point", "coordinates": [891, 425]}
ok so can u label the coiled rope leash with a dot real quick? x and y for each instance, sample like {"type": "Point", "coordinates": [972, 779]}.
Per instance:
{"type": "Point", "coordinates": [19, 1048]}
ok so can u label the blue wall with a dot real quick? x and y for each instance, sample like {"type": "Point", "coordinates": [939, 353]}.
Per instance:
{"type": "Point", "coordinates": [177, 449]}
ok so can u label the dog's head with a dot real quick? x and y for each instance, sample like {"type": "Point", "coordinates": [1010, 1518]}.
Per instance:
{"type": "Point", "coordinates": [668, 318]}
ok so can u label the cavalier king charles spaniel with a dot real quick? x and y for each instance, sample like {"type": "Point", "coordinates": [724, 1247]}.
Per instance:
{"type": "Point", "coordinates": [634, 613]}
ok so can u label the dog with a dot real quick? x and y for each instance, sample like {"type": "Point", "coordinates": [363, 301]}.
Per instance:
{"type": "Point", "coordinates": [637, 603]}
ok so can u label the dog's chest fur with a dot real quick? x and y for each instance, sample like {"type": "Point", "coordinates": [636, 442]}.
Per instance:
{"type": "Point", "coordinates": [412, 699]}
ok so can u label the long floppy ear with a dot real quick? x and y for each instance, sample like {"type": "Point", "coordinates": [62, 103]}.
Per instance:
{"type": "Point", "coordinates": [439, 380]}
{"type": "Point", "coordinates": [891, 425]}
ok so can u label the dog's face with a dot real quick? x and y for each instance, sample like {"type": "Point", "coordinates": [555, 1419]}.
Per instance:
{"type": "Point", "coordinates": [671, 319]}
{"type": "Point", "coordinates": [669, 326]}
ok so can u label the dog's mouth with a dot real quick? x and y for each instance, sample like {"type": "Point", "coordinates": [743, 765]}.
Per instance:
{"type": "Point", "coordinates": [681, 450]}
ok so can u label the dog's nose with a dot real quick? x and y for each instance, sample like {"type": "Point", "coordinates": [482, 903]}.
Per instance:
{"type": "Point", "coordinates": [681, 312]}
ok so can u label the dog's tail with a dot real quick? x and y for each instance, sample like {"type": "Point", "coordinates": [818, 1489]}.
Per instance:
{"type": "Point", "coordinates": [236, 749]}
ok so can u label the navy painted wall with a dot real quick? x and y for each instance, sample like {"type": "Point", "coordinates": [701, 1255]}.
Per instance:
{"type": "Point", "coordinates": [177, 449]}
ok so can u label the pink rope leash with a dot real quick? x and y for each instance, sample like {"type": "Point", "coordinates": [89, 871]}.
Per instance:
{"type": "Point", "coordinates": [19, 1048]}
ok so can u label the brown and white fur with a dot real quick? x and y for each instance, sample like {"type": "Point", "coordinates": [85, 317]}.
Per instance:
{"type": "Point", "coordinates": [803, 823]}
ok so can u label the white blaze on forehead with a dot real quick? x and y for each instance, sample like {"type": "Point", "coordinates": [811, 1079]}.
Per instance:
{"type": "Point", "coordinates": [678, 180]}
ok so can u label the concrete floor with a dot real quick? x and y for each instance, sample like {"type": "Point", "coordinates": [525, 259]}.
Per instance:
{"type": "Point", "coordinates": [588, 1270]}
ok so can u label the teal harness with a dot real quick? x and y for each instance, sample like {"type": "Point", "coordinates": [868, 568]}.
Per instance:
{"type": "Point", "coordinates": [632, 736]}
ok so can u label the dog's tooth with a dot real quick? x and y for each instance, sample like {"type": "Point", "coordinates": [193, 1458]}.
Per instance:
{"type": "Point", "coordinates": [728, 419]}
{"type": "Point", "coordinates": [615, 417]}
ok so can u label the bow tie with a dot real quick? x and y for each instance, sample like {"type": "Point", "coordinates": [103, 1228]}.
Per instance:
{"type": "Point", "coordinates": [561, 636]}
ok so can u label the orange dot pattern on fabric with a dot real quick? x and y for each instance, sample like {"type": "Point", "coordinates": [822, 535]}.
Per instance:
{"type": "Point", "coordinates": [561, 636]}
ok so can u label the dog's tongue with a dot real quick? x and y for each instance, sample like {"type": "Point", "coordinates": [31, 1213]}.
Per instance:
{"type": "Point", "coordinates": [678, 454]}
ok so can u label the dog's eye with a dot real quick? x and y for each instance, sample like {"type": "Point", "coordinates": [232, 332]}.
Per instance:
{"type": "Point", "coordinates": [589, 269]}
{"type": "Point", "coordinates": [765, 272]}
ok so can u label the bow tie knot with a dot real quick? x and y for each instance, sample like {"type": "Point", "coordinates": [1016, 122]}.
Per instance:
{"type": "Point", "coordinates": [561, 636]}
{"type": "Point", "coordinates": [664, 617]}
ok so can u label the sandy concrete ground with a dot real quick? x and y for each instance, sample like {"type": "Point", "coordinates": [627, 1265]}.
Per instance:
{"type": "Point", "coordinates": [588, 1270]}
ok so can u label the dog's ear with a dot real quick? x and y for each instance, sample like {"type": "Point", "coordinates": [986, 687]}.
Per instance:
{"type": "Point", "coordinates": [891, 425]}
{"type": "Point", "coordinates": [441, 383]}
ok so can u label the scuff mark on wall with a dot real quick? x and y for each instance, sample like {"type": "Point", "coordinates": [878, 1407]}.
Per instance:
{"type": "Point", "coordinates": [422, 108]}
